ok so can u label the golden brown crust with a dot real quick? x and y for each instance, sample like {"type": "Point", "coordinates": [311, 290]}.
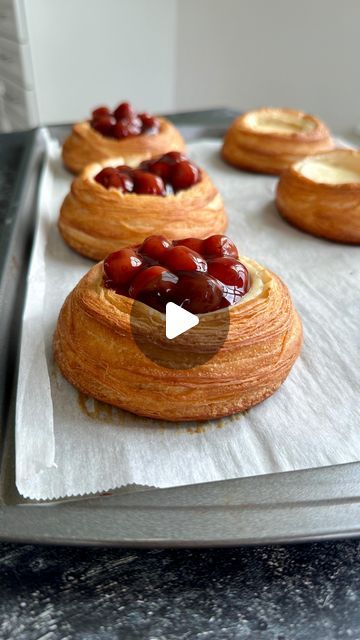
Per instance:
{"type": "Point", "coordinates": [328, 210]}
{"type": "Point", "coordinates": [250, 143]}
{"type": "Point", "coordinates": [96, 352]}
{"type": "Point", "coordinates": [96, 221]}
{"type": "Point", "coordinates": [85, 145]}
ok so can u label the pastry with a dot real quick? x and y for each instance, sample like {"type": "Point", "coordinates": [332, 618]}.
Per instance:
{"type": "Point", "coordinates": [109, 207]}
{"type": "Point", "coordinates": [122, 132]}
{"type": "Point", "coordinates": [321, 195]}
{"type": "Point", "coordinates": [97, 335]}
{"type": "Point", "coordinates": [270, 140]}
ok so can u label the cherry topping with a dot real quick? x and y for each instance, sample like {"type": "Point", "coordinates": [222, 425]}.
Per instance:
{"type": "Point", "coordinates": [218, 246]}
{"type": "Point", "coordinates": [181, 258]}
{"type": "Point", "coordinates": [193, 243]}
{"type": "Point", "coordinates": [121, 267]}
{"type": "Point", "coordinates": [147, 183]}
{"type": "Point", "coordinates": [148, 121]}
{"type": "Point", "coordinates": [104, 124]}
{"type": "Point", "coordinates": [230, 271]}
{"type": "Point", "coordinates": [155, 247]}
{"type": "Point", "coordinates": [112, 177]}
{"type": "Point", "coordinates": [126, 127]}
{"type": "Point", "coordinates": [124, 110]}
{"type": "Point", "coordinates": [154, 286]}
{"type": "Point", "coordinates": [101, 111]}
{"type": "Point", "coordinates": [199, 293]}
{"type": "Point", "coordinates": [160, 271]}
{"type": "Point", "coordinates": [184, 175]}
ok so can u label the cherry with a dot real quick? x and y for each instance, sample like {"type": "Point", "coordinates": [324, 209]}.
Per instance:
{"type": "Point", "coordinates": [218, 246]}
{"type": "Point", "coordinates": [161, 168]}
{"type": "Point", "coordinates": [120, 268]}
{"type": "Point", "coordinates": [147, 183]}
{"type": "Point", "coordinates": [101, 111]}
{"type": "Point", "coordinates": [124, 110]}
{"type": "Point", "coordinates": [125, 127]}
{"type": "Point", "coordinates": [181, 258]}
{"type": "Point", "coordinates": [198, 292]}
{"type": "Point", "coordinates": [154, 286]}
{"type": "Point", "coordinates": [104, 124]}
{"type": "Point", "coordinates": [230, 271]}
{"type": "Point", "coordinates": [172, 157]}
{"type": "Point", "coordinates": [192, 243]}
{"type": "Point", "coordinates": [155, 247]}
{"type": "Point", "coordinates": [111, 177]}
{"type": "Point", "coordinates": [148, 121]}
{"type": "Point", "coordinates": [184, 175]}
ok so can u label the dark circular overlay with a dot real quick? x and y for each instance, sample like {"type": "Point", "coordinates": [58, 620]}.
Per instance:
{"type": "Point", "coordinates": [191, 349]}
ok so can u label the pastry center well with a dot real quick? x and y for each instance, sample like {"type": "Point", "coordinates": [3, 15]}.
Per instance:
{"type": "Point", "coordinates": [280, 122]}
{"type": "Point", "coordinates": [331, 171]}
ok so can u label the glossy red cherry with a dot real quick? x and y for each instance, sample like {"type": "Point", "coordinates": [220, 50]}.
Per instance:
{"type": "Point", "coordinates": [184, 175]}
{"type": "Point", "coordinates": [181, 258]}
{"type": "Point", "coordinates": [147, 183]}
{"type": "Point", "coordinates": [104, 124]}
{"type": "Point", "coordinates": [124, 110]}
{"type": "Point", "coordinates": [148, 121]}
{"type": "Point", "coordinates": [101, 111]}
{"type": "Point", "coordinates": [218, 246]}
{"type": "Point", "coordinates": [155, 247]}
{"type": "Point", "coordinates": [154, 286]}
{"type": "Point", "coordinates": [111, 177]}
{"type": "Point", "coordinates": [125, 128]}
{"type": "Point", "coordinates": [230, 271]}
{"type": "Point", "coordinates": [172, 157]}
{"type": "Point", "coordinates": [161, 168]}
{"type": "Point", "coordinates": [121, 267]}
{"type": "Point", "coordinates": [198, 292]}
{"type": "Point", "coordinates": [192, 243]}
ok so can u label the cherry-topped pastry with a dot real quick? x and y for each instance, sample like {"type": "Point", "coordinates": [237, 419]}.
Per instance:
{"type": "Point", "coordinates": [124, 121]}
{"type": "Point", "coordinates": [198, 275]}
{"type": "Point", "coordinates": [135, 136]}
{"type": "Point", "coordinates": [108, 206]}
{"type": "Point", "coordinates": [117, 351]}
{"type": "Point", "coordinates": [164, 175]}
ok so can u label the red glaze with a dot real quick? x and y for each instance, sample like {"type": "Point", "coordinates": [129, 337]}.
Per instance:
{"type": "Point", "coordinates": [112, 177]}
{"type": "Point", "coordinates": [218, 246]}
{"type": "Point", "coordinates": [184, 174]}
{"type": "Point", "coordinates": [121, 267]}
{"type": "Point", "coordinates": [160, 271]}
{"type": "Point", "coordinates": [182, 258]}
{"type": "Point", "coordinates": [193, 243]}
{"type": "Point", "coordinates": [147, 183]}
{"type": "Point", "coordinates": [199, 293]}
{"type": "Point", "coordinates": [101, 111]}
{"type": "Point", "coordinates": [230, 271]}
{"type": "Point", "coordinates": [124, 110]}
{"type": "Point", "coordinates": [155, 247]}
{"type": "Point", "coordinates": [154, 286]}
{"type": "Point", "coordinates": [104, 124]}
{"type": "Point", "coordinates": [126, 127]}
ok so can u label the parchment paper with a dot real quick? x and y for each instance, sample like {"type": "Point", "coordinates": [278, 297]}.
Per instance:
{"type": "Point", "coordinates": [68, 445]}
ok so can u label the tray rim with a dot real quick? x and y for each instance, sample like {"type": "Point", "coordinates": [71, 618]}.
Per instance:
{"type": "Point", "coordinates": [302, 514]}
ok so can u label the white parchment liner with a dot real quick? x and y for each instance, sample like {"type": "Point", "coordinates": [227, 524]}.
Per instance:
{"type": "Point", "coordinates": [69, 445]}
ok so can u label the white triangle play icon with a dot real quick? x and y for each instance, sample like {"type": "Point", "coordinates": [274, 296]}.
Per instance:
{"type": "Point", "coordinates": [178, 320]}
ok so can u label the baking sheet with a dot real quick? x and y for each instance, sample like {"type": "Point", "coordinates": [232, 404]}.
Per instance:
{"type": "Point", "coordinates": [311, 421]}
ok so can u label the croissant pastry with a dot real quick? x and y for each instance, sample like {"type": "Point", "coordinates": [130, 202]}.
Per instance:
{"type": "Point", "coordinates": [321, 195]}
{"type": "Point", "coordinates": [109, 207]}
{"type": "Point", "coordinates": [110, 341]}
{"type": "Point", "coordinates": [123, 132]}
{"type": "Point", "coordinates": [270, 140]}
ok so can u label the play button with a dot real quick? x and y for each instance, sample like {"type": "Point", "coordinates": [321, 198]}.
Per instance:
{"type": "Point", "coordinates": [178, 320]}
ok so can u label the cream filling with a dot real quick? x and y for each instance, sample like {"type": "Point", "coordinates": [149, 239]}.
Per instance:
{"type": "Point", "coordinates": [279, 122]}
{"type": "Point", "coordinates": [256, 283]}
{"type": "Point", "coordinates": [321, 170]}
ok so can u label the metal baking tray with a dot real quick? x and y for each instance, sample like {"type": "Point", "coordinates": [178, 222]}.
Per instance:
{"type": "Point", "coordinates": [315, 504]}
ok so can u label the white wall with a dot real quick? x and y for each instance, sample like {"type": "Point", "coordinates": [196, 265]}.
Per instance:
{"type": "Point", "coordinates": [246, 53]}
{"type": "Point", "coordinates": [87, 52]}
